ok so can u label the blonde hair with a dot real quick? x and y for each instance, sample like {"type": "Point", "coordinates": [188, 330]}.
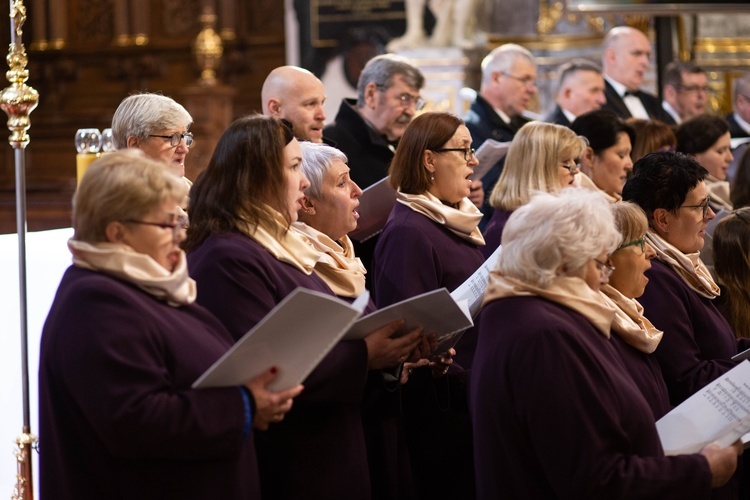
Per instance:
{"type": "Point", "coordinates": [534, 156]}
{"type": "Point", "coordinates": [121, 185]}
{"type": "Point", "coordinates": [630, 220]}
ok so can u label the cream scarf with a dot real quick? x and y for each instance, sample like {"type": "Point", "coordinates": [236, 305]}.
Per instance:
{"type": "Point", "coordinates": [584, 181]}
{"type": "Point", "coordinates": [567, 291]}
{"type": "Point", "coordinates": [287, 246]}
{"type": "Point", "coordinates": [719, 193]}
{"type": "Point", "coordinates": [630, 324]}
{"type": "Point", "coordinates": [462, 221]}
{"type": "Point", "coordinates": [688, 266]}
{"type": "Point", "coordinates": [337, 265]}
{"type": "Point", "coordinates": [176, 288]}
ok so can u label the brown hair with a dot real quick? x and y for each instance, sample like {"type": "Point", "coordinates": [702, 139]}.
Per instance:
{"type": "Point", "coordinates": [427, 131]}
{"type": "Point", "coordinates": [650, 136]}
{"type": "Point", "coordinates": [731, 251]}
{"type": "Point", "coordinates": [247, 167]}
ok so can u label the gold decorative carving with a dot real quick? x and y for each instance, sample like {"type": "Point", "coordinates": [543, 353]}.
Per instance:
{"type": "Point", "coordinates": [23, 488]}
{"type": "Point", "coordinates": [208, 48]}
{"type": "Point", "coordinates": [18, 100]}
{"type": "Point", "coordinates": [552, 12]}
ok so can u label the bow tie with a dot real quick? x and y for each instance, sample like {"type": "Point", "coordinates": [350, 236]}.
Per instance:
{"type": "Point", "coordinates": [634, 93]}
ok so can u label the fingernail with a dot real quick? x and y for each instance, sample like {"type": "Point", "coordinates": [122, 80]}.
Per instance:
{"type": "Point", "coordinates": [274, 370]}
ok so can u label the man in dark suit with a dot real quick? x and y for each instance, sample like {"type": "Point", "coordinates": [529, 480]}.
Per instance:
{"type": "Point", "coordinates": [580, 90]}
{"type": "Point", "coordinates": [739, 120]}
{"type": "Point", "coordinates": [625, 60]}
{"type": "Point", "coordinates": [685, 91]}
{"type": "Point", "coordinates": [508, 84]}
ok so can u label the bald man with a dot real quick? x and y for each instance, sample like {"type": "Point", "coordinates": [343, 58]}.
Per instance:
{"type": "Point", "coordinates": [296, 95]}
{"type": "Point", "coordinates": [625, 61]}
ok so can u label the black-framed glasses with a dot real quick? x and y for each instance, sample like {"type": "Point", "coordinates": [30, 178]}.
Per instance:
{"type": "Point", "coordinates": [703, 206]}
{"type": "Point", "coordinates": [574, 168]}
{"type": "Point", "coordinates": [640, 242]}
{"type": "Point", "coordinates": [407, 100]}
{"type": "Point", "coordinates": [180, 224]}
{"type": "Point", "coordinates": [693, 88]}
{"type": "Point", "coordinates": [468, 152]}
{"type": "Point", "coordinates": [606, 268]}
{"type": "Point", "coordinates": [176, 138]}
{"type": "Point", "coordinates": [528, 80]}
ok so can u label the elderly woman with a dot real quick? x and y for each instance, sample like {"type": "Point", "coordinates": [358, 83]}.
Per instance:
{"type": "Point", "coordinates": [699, 343]}
{"type": "Point", "coordinates": [431, 240]}
{"type": "Point", "coordinates": [706, 138]}
{"type": "Point", "coordinates": [158, 126]}
{"type": "Point", "coordinates": [246, 260]}
{"type": "Point", "coordinates": [122, 345]}
{"type": "Point", "coordinates": [633, 334]}
{"type": "Point", "coordinates": [542, 157]}
{"type": "Point", "coordinates": [555, 413]}
{"type": "Point", "coordinates": [606, 161]}
{"type": "Point", "coordinates": [731, 248]}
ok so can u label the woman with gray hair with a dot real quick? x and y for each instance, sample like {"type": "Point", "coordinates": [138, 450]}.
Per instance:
{"type": "Point", "coordinates": [123, 343]}
{"type": "Point", "coordinates": [555, 413]}
{"type": "Point", "coordinates": [157, 125]}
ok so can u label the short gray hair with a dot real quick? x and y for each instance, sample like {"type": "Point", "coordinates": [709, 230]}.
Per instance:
{"type": "Point", "coordinates": [501, 60]}
{"type": "Point", "coordinates": [556, 233]}
{"type": "Point", "coordinates": [316, 160]}
{"type": "Point", "coordinates": [742, 86]}
{"type": "Point", "coordinates": [140, 115]}
{"type": "Point", "coordinates": [381, 70]}
{"type": "Point", "coordinates": [574, 66]}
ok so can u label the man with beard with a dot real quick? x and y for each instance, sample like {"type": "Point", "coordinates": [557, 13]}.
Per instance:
{"type": "Point", "coordinates": [296, 95]}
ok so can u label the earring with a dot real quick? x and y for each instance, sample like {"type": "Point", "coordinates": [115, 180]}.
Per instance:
{"type": "Point", "coordinates": [432, 178]}
{"type": "Point", "coordinates": [666, 229]}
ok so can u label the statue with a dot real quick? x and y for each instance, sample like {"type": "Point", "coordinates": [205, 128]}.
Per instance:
{"type": "Point", "coordinates": [455, 25]}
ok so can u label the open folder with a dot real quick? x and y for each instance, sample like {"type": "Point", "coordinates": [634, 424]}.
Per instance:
{"type": "Point", "coordinates": [472, 290]}
{"type": "Point", "coordinates": [435, 311]}
{"type": "Point", "coordinates": [294, 336]}
{"type": "Point", "coordinates": [375, 205]}
{"type": "Point", "coordinates": [718, 413]}
{"type": "Point", "coordinates": [488, 154]}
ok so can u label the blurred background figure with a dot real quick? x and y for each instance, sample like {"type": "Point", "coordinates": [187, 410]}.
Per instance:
{"type": "Point", "coordinates": [297, 96]}
{"type": "Point", "coordinates": [606, 162]}
{"type": "Point", "coordinates": [650, 136]}
{"type": "Point", "coordinates": [731, 247]}
{"type": "Point", "coordinates": [580, 89]}
{"type": "Point", "coordinates": [685, 90]}
{"type": "Point", "coordinates": [739, 119]}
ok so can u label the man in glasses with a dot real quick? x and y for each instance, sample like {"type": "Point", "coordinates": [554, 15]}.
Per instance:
{"type": "Point", "coordinates": [626, 57]}
{"type": "Point", "coordinates": [739, 120]}
{"type": "Point", "coordinates": [295, 94]}
{"type": "Point", "coordinates": [508, 86]}
{"type": "Point", "coordinates": [158, 126]}
{"type": "Point", "coordinates": [685, 91]}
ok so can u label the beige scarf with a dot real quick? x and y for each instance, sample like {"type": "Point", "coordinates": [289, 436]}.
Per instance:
{"type": "Point", "coordinates": [688, 266]}
{"type": "Point", "coordinates": [719, 193]}
{"type": "Point", "coordinates": [287, 246]}
{"type": "Point", "coordinates": [462, 221]}
{"type": "Point", "coordinates": [584, 181]}
{"type": "Point", "coordinates": [176, 288]}
{"type": "Point", "coordinates": [630, 324]}
{"type": "Point", "coordinates": [337, 265]}
{"type": "Point", "coordinates": [567, 291]}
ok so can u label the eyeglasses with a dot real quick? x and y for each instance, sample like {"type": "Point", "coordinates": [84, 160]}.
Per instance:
{"type": "Point", "coordinates": [606, 268]}
{"type": "Point", "coordinates": [640, 241]}
{"type": "Point", "coordinates": [407, 100]}
{"type": "Point", "coordinates": [574, 168]}
{"type": "Point", "coordinates": [704, 206]}
{"type": "Point", "coordinates": [180, 224]}
{"type": "Point", "coordinates": [468, 152]}
{"type": "Point", "coordinates": [693, 88]}
{"type": "Point", "coordinates": [176, 138]}
{"type": "Point", "coordinates": [528, 81]}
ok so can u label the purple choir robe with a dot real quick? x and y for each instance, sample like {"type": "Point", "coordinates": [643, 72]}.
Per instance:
{"type": "Point", "coordinates": [555, 415]}
{"type": "Point", "coordinates": [415, 255]}
{"type": "Point", "coordinates": [318, 450]}
{"type": "Point", "coordinates": [117, 416]}
{"type": "Point", "coordinates": [698, 342]}
{"type": "Point", "coordinates": [493, 232]}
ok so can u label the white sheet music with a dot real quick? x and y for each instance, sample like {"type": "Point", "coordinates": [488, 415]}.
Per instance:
{"type": "Point", "coordinates": [472, 290]}
{"type": "Point", "coordinates": [375, 205]}
{"type": "Point", "coordinates": [489, 153]}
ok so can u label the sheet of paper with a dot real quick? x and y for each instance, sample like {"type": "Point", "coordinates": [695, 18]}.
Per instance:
{"type": "Point", "coordinates": [294, 336]}
{"type": "Point", "coordinates": [720, 413]}
{"type": "Point", "coordinates": [375, 206]}
{"type": "Point", "coordinates": [489, 153]}
{"type": "Point", "coordinates": [472, 290]}
{"type": "Point", "coordinates": [434, 311]}
{"type": "Point", "coordinates": [741, 356]}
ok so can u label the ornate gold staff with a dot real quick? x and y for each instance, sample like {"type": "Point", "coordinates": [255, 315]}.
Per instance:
{"type": "Point", "coordinates": [18, 101]}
